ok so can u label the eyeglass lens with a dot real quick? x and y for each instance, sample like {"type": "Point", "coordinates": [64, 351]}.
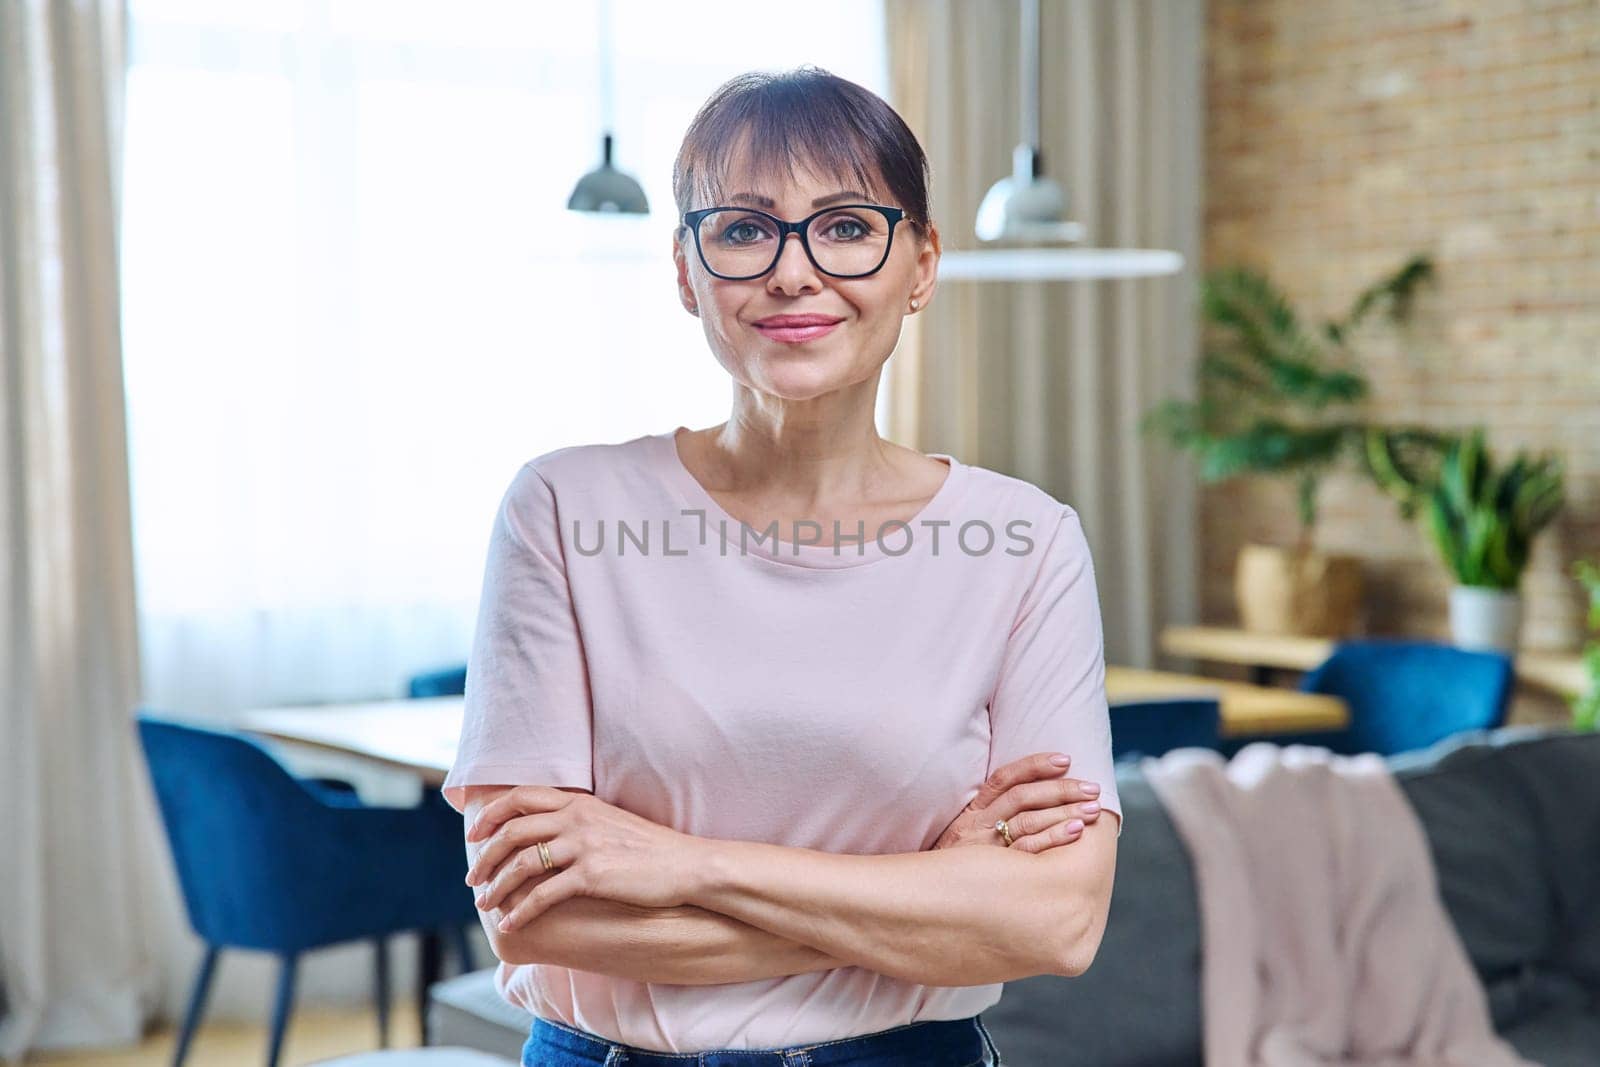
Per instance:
{"type": "Point", "coordinates": [741, 244]}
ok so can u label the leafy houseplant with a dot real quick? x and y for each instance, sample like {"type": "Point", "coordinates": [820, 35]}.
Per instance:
{"type": "Point", "coordinates": [1482, 521]}
{"type": "Point", "coordinates": [1282, 400]}
{"type": "Point", "coordinates": [1586, 706]}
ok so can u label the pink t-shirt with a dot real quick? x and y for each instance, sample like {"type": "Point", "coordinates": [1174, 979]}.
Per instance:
{"type": "Point", "coordinates": [635, 639]}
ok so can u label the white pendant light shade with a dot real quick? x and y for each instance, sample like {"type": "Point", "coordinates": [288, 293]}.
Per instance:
{"type": "Point", "coordinates": [1025, 206]}
{"type": "Point", "coordinates": [1022, 219]}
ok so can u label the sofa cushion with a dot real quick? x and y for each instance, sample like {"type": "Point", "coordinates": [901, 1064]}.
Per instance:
{"type": "Point", "coordinates": [1560, 1037]}
{"type": "Point", "coordinates": [1513, 821]}
{"type": "Point", "coordinates": [468, 1012]}
{"type": "Point", "coordinates": [418, 1057]}
{"type": "Point", "coordinates": [1139, 1001]}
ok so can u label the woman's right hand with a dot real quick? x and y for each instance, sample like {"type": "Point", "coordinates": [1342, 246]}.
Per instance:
{"type": "Point", "coordinates": [1041, 808]}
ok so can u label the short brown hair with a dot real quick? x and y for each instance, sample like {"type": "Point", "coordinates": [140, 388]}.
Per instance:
{"type": "Point", "coordinates": [804, 115]}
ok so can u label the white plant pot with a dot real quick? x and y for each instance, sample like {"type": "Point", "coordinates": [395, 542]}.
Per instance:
{"type": "Point", "coordinates": [1481, 617]}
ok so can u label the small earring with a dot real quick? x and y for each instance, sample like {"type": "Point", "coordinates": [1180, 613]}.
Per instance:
{"type": "Point", "coordinates": [913, 305]}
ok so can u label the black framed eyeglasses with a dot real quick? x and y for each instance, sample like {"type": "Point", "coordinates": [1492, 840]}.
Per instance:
{"type": "Point", "coordinates": [843, 241]}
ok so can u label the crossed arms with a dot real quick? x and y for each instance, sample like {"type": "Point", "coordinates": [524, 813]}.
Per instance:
{"type": "Point", "coordinates": [958, 916]}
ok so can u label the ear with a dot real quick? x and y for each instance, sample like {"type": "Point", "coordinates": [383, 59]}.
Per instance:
{"type": "Point", "coordinates": [685, 287]}
{"type": "Point", "coordinates": [927, 268]}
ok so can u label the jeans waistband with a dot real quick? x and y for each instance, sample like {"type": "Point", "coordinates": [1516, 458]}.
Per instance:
{"type": "Point", "coordinates": [931, 1043]}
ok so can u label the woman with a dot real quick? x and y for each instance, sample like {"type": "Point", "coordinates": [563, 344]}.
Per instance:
{"type": "Point", "coordinates": [739, 696]}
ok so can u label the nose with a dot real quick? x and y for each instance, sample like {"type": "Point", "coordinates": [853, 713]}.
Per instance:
{"type": "Point", "coordinates": [794, 268]}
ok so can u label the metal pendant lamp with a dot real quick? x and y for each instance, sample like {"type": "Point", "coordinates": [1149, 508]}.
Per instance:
{"type": "Point", "coordinates": [606, 189]}
{"type": "Point", "coordinates": [1023, 216]}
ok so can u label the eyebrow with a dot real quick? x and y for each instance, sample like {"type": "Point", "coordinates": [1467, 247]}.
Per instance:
{"type": "Point", "coordinates": [765, 201]}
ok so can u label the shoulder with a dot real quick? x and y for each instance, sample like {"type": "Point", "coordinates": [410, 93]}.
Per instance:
{"type": "Point", "coordinates": [574, 475]}
{"type": "Point", "coordinates": [578, 464]}
{"type": "Point", "coordinates": [546, 493]}
{"type": "Point", "coordinates": [1017, 508]}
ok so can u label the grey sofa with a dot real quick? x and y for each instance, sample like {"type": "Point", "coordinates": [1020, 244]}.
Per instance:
{"type": "Point", "coordinates": [1513, 819]}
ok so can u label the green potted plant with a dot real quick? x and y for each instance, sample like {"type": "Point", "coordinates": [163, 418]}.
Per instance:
{"type": "Point", "coordinates": [1405, 462]}
{"type": "Point", "coordinates": [1279, 399]}
{"type": "Point", "coordinates": [1482, 521]}
{"type": "Point", "coordinates": [1586, 706]}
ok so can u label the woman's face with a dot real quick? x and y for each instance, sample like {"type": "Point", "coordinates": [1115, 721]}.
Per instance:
{"type": "Point", "coordinates": [870, 308]}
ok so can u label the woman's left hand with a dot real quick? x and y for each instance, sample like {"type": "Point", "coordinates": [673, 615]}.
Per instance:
{"type": "Point", "coordinates": [599, 850]}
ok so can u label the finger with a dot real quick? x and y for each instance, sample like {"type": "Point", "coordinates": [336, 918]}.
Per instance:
{"type": "Point", "coordinates": [523, 800]}
{"type": "Point", "coordinates": [516, 870]}
{"type": "Point", "coordinates": [1032, 796]}
{"type": "Point", "coordinates": [1056, 835]}
{"type": "Point", "coordinates": [528, 876]}
{"type": "Point", "coordinates": [1087, 810]}
{"type": "Point", "coordinates": [1039, 821]}
{"type": "Point", "coordinates": [519, 868]}
{"type": "Point", "coordinates": [1034, 822]}
{"type": "Point", "coordinates": [1026, 769]}
{"type": "Point", "coordinates": [515, 834]}
{"type": "Point", "coordinates": [532, 867]}
{"type": "Point", "coordinates": [547, 894]}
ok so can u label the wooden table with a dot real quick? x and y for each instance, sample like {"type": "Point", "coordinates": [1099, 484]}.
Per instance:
{"type": "Point", "coordinates": [419, 736]}
{"type": "Point", "coordinates": [1245, 708]}
{"type": "Point", "coordinates": [1561, 673]}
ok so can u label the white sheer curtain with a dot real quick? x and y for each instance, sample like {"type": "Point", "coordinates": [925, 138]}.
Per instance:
{"type": "Point", "coordinates": [76, 832]}
{"type": "Point", "coordinates": [355, 302]}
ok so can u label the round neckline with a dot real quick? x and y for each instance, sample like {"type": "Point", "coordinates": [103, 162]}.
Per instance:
{"type": "Point", "coordinates": [718, 522]}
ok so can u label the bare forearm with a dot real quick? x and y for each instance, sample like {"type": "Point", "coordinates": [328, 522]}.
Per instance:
{"type": "Point", "coordinates": [686, 945]}
{"type": "Point", "coordinates": [934, 917]}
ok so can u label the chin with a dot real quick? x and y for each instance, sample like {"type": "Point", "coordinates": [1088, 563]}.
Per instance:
{"type": "Point", "coordinates": [800, 379]}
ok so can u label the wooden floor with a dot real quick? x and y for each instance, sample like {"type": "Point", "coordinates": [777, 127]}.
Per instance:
{"type": "Point", "coordinates": [313, 1035]}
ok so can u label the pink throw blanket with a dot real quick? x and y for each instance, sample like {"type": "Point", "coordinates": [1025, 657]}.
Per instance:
{"type": "Point", "coordinates": [1324, 939]}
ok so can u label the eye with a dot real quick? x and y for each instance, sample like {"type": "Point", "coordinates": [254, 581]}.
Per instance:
{"type": "Point", "coordinates": [853, 228]}
{"type": "Point", "coordinates": [736, 230]}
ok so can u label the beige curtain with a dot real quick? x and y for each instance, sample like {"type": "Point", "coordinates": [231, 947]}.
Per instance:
{"type": "Point", "coordinates": [1047, 381]}
{"type": "Point", "coordinates": [75, 821]}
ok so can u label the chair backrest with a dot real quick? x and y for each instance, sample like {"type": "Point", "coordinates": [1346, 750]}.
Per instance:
{"type": "Point", "coordinates": [449, 682]}
{"type": "Point", "coordinates": [226, 804]}
{"type": "Point", "coordinates": [1152, 727]}
{"type": "Point", "coordinates": [1407, 694]}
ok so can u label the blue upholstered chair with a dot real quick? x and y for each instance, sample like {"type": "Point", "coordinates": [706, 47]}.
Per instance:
{"type": "Point", "coordinates": [449, 682]}
{"type": "Point", "coordinates": [1404, 695]}
{"type": "Point", "coordinates": [1153, 727]}
{"type": "Point", "coordinates": [280, 864]}
{"type": "Point", "coordinates": [445, 682]}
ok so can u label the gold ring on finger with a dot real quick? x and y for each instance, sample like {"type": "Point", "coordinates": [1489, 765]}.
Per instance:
{"type": "Point", "coordinates": [544, 856]}
{"type": "Point", "coordinates": [1005, 831]}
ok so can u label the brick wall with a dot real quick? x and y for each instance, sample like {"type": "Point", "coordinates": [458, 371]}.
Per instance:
{"type": "Point", "coordinates": [1341, 138]}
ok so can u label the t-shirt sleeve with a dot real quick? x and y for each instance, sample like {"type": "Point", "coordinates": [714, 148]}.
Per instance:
{"type": "Point", "coordinates": [1051, 692]}
{"type": "Point", "coordinates": [527, 716]}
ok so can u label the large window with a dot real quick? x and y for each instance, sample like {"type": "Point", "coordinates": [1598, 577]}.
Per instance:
{"type": "Point", "coordinates": [354, 302]}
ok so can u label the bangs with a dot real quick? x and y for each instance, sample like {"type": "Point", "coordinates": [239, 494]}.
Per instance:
{"type": "Point", "coordinates": [765, 152]}
{"type": "Point", "coordinates": [764, 128]}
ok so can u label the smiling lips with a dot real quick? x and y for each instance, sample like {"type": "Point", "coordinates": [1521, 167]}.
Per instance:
{"type": "Point", "coordinates": [794, 329]}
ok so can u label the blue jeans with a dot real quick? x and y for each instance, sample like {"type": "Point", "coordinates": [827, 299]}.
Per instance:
{"type": "Point", "coordinates": [933, 1043]}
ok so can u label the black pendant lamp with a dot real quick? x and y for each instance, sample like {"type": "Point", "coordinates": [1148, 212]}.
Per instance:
{"type": "Point", "coordinates": [606, 189]}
